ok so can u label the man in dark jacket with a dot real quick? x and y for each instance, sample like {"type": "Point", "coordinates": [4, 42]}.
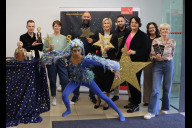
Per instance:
{"type": "Point", "coordinates": [88, 42]}
{"type": "Point", "coordinates": [120, 32]}
{"type": "Point", "coordinates": [29, 39]}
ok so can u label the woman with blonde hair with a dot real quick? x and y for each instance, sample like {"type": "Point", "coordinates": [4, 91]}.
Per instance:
{"type": "Point", "coordinates": [163, 69]}
{"type": "Point", "coordinates": [105, 47]}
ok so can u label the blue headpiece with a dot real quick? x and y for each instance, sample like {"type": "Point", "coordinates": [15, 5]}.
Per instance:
{"type": "Point", "coordinates": [75, 43]}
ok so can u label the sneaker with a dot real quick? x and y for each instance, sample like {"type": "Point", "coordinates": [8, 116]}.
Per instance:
{"type": "Point", "coordinates": [164, 112]}
{"type": "Point", "coordinates": [149, 116]}
{"type": "Point", "coordinates": [74, 99]}
{"type": "Point", "coordinates": [54, 102]}
{"type": "Point", "coordinates": [115, 98]}
{"type": "Point", "coordinates": [59, 89]}
{"type": "Point", "coordinates": [71, 102]}
{"type": "Point", "coordinates": [135, 108]}
{"type": "Point", "coordinates": [93, 99]}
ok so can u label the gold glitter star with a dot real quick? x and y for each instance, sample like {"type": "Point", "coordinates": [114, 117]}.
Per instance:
{"type": "Point", "coordinates": [104, 42]}
{"type": "Point", "coordinates": [86, 32]}
{"type": "Point", "coordinates": [119, 44]}
{"type": "Point", "coordinates": [48, 39]}
{"type": "Point", "coordinates": [128, 70]}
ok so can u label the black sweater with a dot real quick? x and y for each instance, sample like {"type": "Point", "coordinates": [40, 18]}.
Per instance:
{"type": "Point", "coordinates": [27, 44]}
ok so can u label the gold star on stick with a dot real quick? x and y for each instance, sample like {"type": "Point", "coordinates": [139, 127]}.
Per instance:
{"type": "Point", "coordinates": [86, 32]}
{"type": "Point", "coordinates": [128, 71]}
{"type": "Point", "coordinates": [104, 42]}
{"type": "Point", "coordinates": [48, 39]}
{"type": "Point", "coordinates": [119, 44]}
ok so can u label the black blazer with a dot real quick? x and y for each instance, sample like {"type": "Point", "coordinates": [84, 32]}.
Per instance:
{"type": "Point", "coordinates": [139, 43]}
{"type": "Point", "coordinates": [111, 51]}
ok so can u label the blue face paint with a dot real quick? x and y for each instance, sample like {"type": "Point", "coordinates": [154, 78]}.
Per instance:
{"type": "Point", "coordinates": [75, 43]}
{"type": "Point", "coordinates": [76, 50]}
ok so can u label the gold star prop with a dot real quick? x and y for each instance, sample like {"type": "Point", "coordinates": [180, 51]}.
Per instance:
{"type": "Point", "coordinates": [86, 32]}
{"type": "Point", "coordinates": [104, 42]}
{"type": "Point", "coordinates": [128, 71]}
{"type": "Point", "coordinates": [119, 44]}
{"type": "Point", "coordinates": [48, 39]}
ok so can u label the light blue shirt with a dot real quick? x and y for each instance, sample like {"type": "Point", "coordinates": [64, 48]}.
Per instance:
{"type": "Point", "coordinates": [60, 42]}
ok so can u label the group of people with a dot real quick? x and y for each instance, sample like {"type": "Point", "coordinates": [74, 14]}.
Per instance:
{"type": "Point", "coordinates": [139, 48]}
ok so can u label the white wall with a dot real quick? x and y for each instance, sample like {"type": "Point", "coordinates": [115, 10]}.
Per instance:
{"type": "Point", "coordinates": [44, 12]}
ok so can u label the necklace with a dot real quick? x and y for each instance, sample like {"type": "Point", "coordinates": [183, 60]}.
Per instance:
{"type": "Point", "coordinates": [133, 33]}
{"type": "Point", "coordinates": [57, 37]}
{"type": "Point", "coordinates": [165, 40]}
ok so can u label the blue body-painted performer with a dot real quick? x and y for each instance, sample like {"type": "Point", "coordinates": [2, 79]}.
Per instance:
{"type": "Point", "coordinates": [78, 66]}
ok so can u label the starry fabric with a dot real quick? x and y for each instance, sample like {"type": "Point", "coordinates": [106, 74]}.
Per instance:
{"type": "Point", "coordinates": [27, 92]}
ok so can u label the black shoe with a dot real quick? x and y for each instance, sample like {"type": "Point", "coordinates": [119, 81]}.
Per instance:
{"type": "Point", "coordinates": [145, 104]}
{"type": "Point", "coordinates": [115, 98]}
{"type": "Point", "coordinates": [133, 109]}
{"type": "Point", "coordinates": [93, 99]}
{"type": "Point", "coordinates": [97, 106]}
{"type": "Point", "coordinates": [105, 108]}
{"type": "Point", "coordinates": [74, 99]}
{"type": "Point", "coordinates": [130, 105]}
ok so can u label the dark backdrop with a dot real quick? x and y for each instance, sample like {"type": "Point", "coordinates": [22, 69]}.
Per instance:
{"type": "Point", "coordinates": [71, 21]}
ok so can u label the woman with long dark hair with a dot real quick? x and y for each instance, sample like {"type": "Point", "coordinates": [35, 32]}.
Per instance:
{"type": "Point", "coordinates": [152, 33]}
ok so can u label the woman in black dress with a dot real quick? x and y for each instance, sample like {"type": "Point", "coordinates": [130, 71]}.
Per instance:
{"type": "Point", "coordinates": [105, 47]}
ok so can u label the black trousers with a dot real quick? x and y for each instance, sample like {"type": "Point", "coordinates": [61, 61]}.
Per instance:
{"type": "Point", "coordinates": [135, 94]}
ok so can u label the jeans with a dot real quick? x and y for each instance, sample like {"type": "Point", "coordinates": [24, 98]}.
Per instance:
{"type": "Point", "coordinates": [61, 69]}
{"type": "Point", "coordinates": [76, 93]}
{"type": "Point", "coordinates": [165, 70]}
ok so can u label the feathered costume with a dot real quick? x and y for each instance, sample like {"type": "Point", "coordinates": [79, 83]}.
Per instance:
{"type": "Point", "coordinates": [80, 73]}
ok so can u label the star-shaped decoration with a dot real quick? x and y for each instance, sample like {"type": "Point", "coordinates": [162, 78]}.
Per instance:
{"type": "Point", "coordinates": [86, 32]}
{"type": "Point", "coordinates": [104, 42]}
{"type": "Point", "coordinates": [119, 44]}
{"type": "Point", "coordinates": [128, 71]}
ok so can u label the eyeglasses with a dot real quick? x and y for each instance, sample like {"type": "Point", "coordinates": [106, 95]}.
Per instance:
{"type": "Point", "coordinates": [151, 27]}
{"type": "Point", "coordinates": [134, 23]}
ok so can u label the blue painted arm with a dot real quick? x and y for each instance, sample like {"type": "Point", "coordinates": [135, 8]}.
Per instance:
{"type": "Point", "coordinates": [99, 61]}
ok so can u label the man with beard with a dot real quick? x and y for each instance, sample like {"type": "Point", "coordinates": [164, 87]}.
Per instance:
{"type": "Point", "coordinates": [88, 42]}
{"type": "Point", "coordinates": [121, 30]}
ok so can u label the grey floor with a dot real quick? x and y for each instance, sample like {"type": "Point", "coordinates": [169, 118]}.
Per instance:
{"type": "Point", "coordinates": [84, 109]}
